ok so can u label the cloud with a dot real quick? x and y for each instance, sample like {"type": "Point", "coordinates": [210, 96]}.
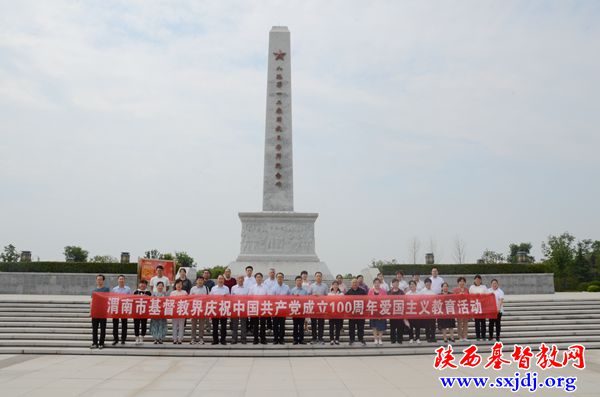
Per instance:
{"type": "Point", "coordinates": [134, 125]}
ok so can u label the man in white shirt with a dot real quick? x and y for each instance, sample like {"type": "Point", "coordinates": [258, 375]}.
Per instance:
{"type": "Point", "coordinates": [429, 323]}
{"type": "Point", "coordinates": [249, 280]}
{"type": "Point", "coordinates": [259, 323]}
{"type": "Point", "coordinates": [280, 288]}
{"type": "Point", "coordinates": [436, 281]}
{"type": "Point", "coordinates": [198, 323]}
{"type": "Point", "coordinates": [478, 288]}
{"type": "Point", "coordinates": [160, 277]}
{"type": "Point", "coordinates": [317, 325]}
{"type": "Point", "coordinates": [238, 323]}
{"type": "Point", "coordinates": [403, 285]}
{"type": "Point", "coordinates": [269, 282]}
{"type": "Point", "coordinates": [417, 279]}
{"type": "Point", "coordinates": [219, 324]}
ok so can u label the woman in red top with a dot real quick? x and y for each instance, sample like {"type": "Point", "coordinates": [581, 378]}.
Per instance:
{"type": "Point", "coordinates": [461, 323]}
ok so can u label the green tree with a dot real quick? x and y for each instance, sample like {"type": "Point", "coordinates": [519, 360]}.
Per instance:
{"type": "Point", "coordinates": [103, 259]}
{"type": "Point", "coordinates": [167, 256]}
{"type": "Point", "coordinates": [520, 247]}
{"type": "Point", "coordinates": [490, 256]}
{"type": "Point", "coordinates": [10, 254]}
{"type": "Point", "coordinates": [183, 259]}
{"type": "Point", "coordinates": [74, 253]}
{"type": "Point", "coordinates": [381, 262]}
{"type": "Point", "coordinates": [560, 252]}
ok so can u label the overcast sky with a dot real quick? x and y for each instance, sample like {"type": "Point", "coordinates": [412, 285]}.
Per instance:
{"type": "Point", "coordinates": [127, 126]}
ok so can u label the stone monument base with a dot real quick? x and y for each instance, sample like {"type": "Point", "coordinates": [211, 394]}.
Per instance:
{"type": "Point", "coordinates": [284, 240]}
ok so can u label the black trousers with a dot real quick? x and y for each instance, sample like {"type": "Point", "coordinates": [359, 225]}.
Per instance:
{"type": "Point", "coordinates": [356, 327]}
{"type": "Point", "coordinates": [298, 333]}
{"type": "Point", "coordinates": [317, 326]}
{"type": "Point", "coordinates": [396, 330]}
{"type": "Point", "coordinates": [429, 329]}
{"type": "Point", "coordinates": [123, 329]}
{"type": "Point", "coordinates": [415, 329]}
{"type": "Point", "coordinates": [278, 329]}
{"type": "Point", "coordinates": [335, 327]}
{"type": "Point", "coordinates": [269, 322]}
{"type": "Point", "coordinates": [480, 328]}
{"type": "Point", "coordinates": [219, 326]}
{"type": "Point", "coordinates": [98, 323]}
{"type": "Point", "coordinates": [140, 323]}
{"type": "Point", "coordinates": [258, 329]}
{"type": "Point", "coordinates": [495, 322]}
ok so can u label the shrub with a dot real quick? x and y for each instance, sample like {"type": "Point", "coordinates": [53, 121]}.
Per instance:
{"type": "Point", "coordinates": [497, 268]}
{"type": "Point", "coordinates": [69, 267]}
{"type": "Point", "coordinates": [594, 288]}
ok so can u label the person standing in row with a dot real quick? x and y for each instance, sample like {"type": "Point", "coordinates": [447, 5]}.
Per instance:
{"type": "Point", "coordinates": [99, 323]}
{"type": "Point", "coordinates": [446, 325]}
{"type": "Point", "coordinates": [140, 325]}
{"type": "Point", "coordinates": [178, 323]}
{"type": "Point", "coordinates": [361, 283]}
{"type": "Point", "coordinates": [429, 323]}
{"type": "Point", "coordinates": [436, 281]}
{"type": "Point", "coordinates": [377, 325]}
{"type": "Point", "coordinates": [280, 288]}
{"type": "Point", "coordinates": [306, 286]}
{"type": "Point", "coordinates": [417, 279]}
{"type": "Point", "coordinates": [158, 326]}
{"type": "Point", "coordinates": [317, 325]}
{"type": "Point", "coordinates": [298, 332]}
{"type": "Point", "coordinates": [219, 324]}
{"type": "Point", "coordinates": [249, 282]}
{"type": "Point", "coordinates": [403, 285]}
{"type": "Point", "coordinates": [270, 282]}
{"type": "Point", "coordinates": [208, 279]}
{"type": "Point", "coordinates": [340, 280]}
{"type": "Point", "coordinates": [356, 325]}
{"type": "Point", "coordinates": [335, 324]}
{"type": "Point", "coordinates": [238, 324]}
{"type": "Point", "coordinates": [478, 288]}
{"type": "Point", "coordinates": [259, 323]}
{"type": "Point", "coordinates": [198, 324]}
{"type": "Point", "coordinates": [462, 324]}
{"type": "Point", "coordinates": [186, 284]}
{"type": "Point", "coordinates": [121, 288]}
{"type": "Point", "coordinates": [160, 277]}
{"type": "Point", "coordinates": [414, 330]}
{"type": "Point", "coordinates": [495, 322]}
{"type": "Point", "coordinates": [396, 324]}
{"type": "Point", "coordinates": [383, 285]}
{"type": "Point", "coordinates": [229, 281]}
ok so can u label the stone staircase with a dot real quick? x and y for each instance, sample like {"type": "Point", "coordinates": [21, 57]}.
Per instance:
{"type": "Point", "coordinates": [43, 325]}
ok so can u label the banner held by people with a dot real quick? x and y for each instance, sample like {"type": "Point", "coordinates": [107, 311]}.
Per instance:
{"type": "Point", "coordinates": [110, 305]}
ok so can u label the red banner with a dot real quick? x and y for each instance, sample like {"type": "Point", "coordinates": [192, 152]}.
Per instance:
{"type": "Point", "coordinates": [110, 305]}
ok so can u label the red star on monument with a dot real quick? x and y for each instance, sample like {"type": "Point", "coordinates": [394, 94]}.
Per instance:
{"type": "Point", "coordinates": [279, 55]}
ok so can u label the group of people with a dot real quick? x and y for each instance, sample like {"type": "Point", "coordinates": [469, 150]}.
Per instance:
{"type": "Point", "coordinates": [255, 328]}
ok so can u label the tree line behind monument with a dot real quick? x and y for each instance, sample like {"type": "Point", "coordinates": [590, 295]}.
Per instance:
{"type": "Point", "coordinates": [575, 263]}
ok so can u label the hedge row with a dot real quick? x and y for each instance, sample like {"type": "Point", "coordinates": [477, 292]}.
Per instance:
{"type": "Point", "coordinates": [69, 267]}
{"type": "Point", "coordinates": [499, 268]}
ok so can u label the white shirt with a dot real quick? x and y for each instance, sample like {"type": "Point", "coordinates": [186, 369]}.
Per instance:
{"type": "Point", "coordinates": [257, 289]}
{"type": "Point", "coordinates": [269, 283]}
{"type": "Point", "coordinates": [237, 290]}
{"type": "Point", "coordinates": [199, 290]}
{"type": "Point", "coordinates": [420, 285]}
{"type": "Point", "coordinates": [426, 291]}
{"type": "Point", "coordinates": [155, 280]}
{"type": "Point", "coordinates": [403, 285]}
{"type": "Point", "coordinates": [305, 284]}
{"type": "Point", "coordinates": [482, 289]}
{"type": "Point", "coordinates": [409, 292]}
{"type": "Point", "coordinates": [277, 289]}
{"type": "Point", "coordinates": [499, 296]}
{"type": "Point", "coordinates": [436, 284]}
{"type": "Point", "coordinates": [249, 281]}
{"type": "Point", "coordinates": [384, 286]}
{"type": "Point", "coordinates": [216, 290]}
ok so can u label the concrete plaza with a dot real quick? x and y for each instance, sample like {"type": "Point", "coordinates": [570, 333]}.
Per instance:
{"type": "Point", "coordinates": [56, 375]}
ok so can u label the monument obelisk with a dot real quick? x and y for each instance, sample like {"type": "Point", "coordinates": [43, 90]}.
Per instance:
{"type": "Point", "coordinates": [279, 237]}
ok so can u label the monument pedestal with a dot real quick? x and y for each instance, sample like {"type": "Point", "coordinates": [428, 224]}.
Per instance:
{"type": "Point", "coordinates": [279, 239]}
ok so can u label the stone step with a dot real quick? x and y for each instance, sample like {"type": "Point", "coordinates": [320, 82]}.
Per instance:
{"type": "Point", "coordinates": [506, 334]}
{"type": "Point", "coordinates": [86, 329]}
{"type": "Point", "coordinates": [257, 351]}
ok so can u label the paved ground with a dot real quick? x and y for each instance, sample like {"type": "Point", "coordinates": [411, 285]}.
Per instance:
{"type": "Point", "coordinates": [349, 376]}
